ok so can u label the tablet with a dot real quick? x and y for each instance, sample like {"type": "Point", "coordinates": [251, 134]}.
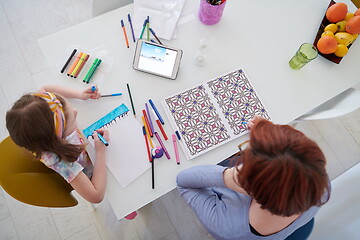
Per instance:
{"type": "Point", "coordinates": [157, 59]}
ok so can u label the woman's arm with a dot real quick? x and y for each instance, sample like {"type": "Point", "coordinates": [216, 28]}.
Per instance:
{"type": "Point", "coordinates": [94, 190]}
{"type": "Point", "coordinates": [72, 93]}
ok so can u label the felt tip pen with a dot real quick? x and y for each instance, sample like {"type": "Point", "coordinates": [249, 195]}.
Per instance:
{"type": "Point", "coordinates": [176, 149]}
{"type": "Point", "coordinates": [111, 95]}
{"type": "Point", "coordinates": [156, 112]}
{"type": "Point", "coordinates": [153, 33]}
{"type": "Point", "coordinates": [162, 145]}
{"type": "Point", "coordinates": [125, 35]}
{"type": "Point", "coordinates": [143, 29]}
{"type": "Point", "coordinates": [94, 70]}
{"type": "Point", "coordinates": [103, 139]}
{"type": "Point", "coordinates": [178, 135]}
{"type": "Point", "coordinates": [93, 88]}
{"type": "Point", "coordinates": [131, 26]}
{"type": "Point", "coordinates": [68, 61]}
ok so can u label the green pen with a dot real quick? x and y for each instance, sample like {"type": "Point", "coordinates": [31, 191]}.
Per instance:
{"type": "Point", "coordinates": [148, 26]}
{"type": "Point", "coordinates": [143, 29]}
{"type": "Point", "coordinates": [92, 73]}
{"type": "Point", "coordinates": [90, 70]}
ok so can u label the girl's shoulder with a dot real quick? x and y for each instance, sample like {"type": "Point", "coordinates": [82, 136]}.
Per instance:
{"type": "Point", "coordinates": [75, 137]}
{"type": "Point", "coordinates": [49, 158]}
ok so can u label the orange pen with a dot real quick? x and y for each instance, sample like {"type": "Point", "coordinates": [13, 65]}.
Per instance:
{"type": "Point", "coordinates": [125, 35]}
{"type": "Point", "coordinates": [81, 66]}
{"type": "Point", "coordinates": [74, 64]}
{"type": "Point", "coordinates": [147, 123]}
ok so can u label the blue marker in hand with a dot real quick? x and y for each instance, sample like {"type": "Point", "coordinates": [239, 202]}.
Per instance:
{"type": "Point", "coordinates": [103, 139]}
{"type": "Point", "coordinates": [93, 88]}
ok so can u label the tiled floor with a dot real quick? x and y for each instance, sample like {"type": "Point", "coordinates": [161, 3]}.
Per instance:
{"type": "Point", "coordinates": [23, 69]}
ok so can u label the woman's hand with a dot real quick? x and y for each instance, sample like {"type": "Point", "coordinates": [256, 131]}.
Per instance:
{"type": "Point", "coordinates": [89, 93]}
{"type": "Point", "coordinates": [99, 145]}
{"type": "Point", "coordinates": [252, 121]}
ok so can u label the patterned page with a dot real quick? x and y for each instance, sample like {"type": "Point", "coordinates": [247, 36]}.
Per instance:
{"type": "Point", "coordinates": [213, 113]}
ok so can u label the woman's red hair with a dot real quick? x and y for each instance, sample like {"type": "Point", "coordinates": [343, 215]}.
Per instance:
{"type": "Point", "coordinates": [283, 170]}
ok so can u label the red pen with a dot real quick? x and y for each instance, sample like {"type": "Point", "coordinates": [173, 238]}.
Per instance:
{"type": "Point", "coordinates": [161, 129]}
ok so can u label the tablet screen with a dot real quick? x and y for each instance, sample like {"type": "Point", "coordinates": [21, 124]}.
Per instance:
{"type": "Point", "coordinates": [156, 59]}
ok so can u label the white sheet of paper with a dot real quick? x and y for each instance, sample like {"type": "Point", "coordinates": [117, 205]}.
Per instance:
{"type": "Point", "coordinates": [163, 15]}
{"type": "Point", "coordinates": [126, 155]}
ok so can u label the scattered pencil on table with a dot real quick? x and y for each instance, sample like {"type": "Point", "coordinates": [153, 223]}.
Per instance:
{"type": "Point", "coordinates": [143, 29]}
{"type": "Point", "coordinates": [102, 139]}
{"type": "Point", "coordinates": [176, 149]}
{"type": "Point", "coordinates": [125, 35]}
{"type": "Point", "coordinates": [147, 123]}
{"type": "Point", "coordinates": [151, 160]}
{"type": "Point", "coordinates": [131, 100]}
{"type": "Point", "coordinates": [111, 95]}
{"type": "Point", "coordinates": [131, 26]}
{"type": "Point", "coordinates": [68, 61]}
{"type": "Point", "coordinates": [153, 33]}
{"type": "Point", "coordinates": [147, 132]}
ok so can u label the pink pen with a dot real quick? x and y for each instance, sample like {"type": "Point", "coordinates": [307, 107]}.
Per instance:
{"type": "Point", "coordinates": [162, 145]}
{"type": "Point", "coordinates": [176, 149]}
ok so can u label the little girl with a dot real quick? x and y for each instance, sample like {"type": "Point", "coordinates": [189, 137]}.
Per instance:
{"type": "Point", "coordinates": [45, 124]}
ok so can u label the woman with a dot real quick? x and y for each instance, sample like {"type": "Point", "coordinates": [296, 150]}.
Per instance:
{"type": "Point", "coordinates": [277, 185]}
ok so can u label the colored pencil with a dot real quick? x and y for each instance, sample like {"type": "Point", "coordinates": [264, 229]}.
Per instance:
{"type": "Point", "coordinates": [131, 26]}
{"type": "Point", "coordinates": [81, 66]}
{"type": "Point", "coordinates": [68, 61]}
{"type": "Point", "coordinates": [125, 35]}
{"type": "Point", "coordinates": [150, 158]}
{"type": "Point", "coordinates": [131, 100]}
{"type": "Point", "coordinates": [74, 64]}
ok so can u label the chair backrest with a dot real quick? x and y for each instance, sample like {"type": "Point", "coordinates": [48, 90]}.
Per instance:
{"type": "Point", "coordinates": [102, 6]}
{"type": "Point", "coordinates": [28, 180]}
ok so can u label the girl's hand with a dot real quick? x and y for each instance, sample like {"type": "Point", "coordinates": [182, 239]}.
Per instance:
{"type": "Point", "coordinates": [253, 120]}
{"type": "Point", "coordinates": [88, 93]}
{"type": "Point", "coordinates": [99, 145]}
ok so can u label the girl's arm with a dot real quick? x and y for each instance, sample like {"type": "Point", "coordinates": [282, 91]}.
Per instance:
{"type": "Point", "coordinates": [72, 93]}
{"type": "Point", "coordinates": [94, 190]}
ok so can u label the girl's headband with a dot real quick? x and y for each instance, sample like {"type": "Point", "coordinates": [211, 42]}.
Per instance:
{"type": "Point", "coordinates": [57, 110]}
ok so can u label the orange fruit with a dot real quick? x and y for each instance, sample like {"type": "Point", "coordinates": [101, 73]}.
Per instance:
{"type": "Point", "coordinates": [341, 51]}
{"type": "Point", "coordinates": [327, 45]}
{"type": "Point", "coordinates": [357, 12]}
{"type": "Point", "coordinates": [337, 12]}
{"type": "Point", "coordinates": [353, 25]}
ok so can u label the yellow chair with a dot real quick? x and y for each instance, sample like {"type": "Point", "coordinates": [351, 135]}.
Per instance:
{"type": "Point", "coordinates": [29, 181]}
{"type": "Point", "coordinates": [356, 3]}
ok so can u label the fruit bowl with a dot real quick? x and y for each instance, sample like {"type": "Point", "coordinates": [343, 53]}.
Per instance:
{"type": "Point", "coordinates": [331, 57]}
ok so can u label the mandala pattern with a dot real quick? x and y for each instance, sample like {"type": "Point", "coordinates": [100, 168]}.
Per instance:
{"type": "Point", "coordinates": [197, 119]}
{"type": "Point", "coordinates": [237, 100]}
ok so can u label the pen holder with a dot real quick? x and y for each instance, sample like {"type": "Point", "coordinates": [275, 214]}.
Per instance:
{"type": "Point", "coordinates": [211, 14]}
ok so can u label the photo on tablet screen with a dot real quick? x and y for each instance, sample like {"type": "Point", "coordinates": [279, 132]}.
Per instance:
{"type": "Point", "coordinates": [157, 59]}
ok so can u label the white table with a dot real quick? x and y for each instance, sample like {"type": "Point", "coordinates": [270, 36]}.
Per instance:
{"type": "Point", "coordinates": [258, 36]}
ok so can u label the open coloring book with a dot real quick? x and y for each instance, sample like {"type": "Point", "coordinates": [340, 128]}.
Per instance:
{"type": "Point", "coordinates": [126, 155]}
{"type": "Point", "coordinates": [213, 113]}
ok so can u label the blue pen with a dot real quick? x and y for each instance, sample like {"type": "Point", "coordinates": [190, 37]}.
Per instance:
{"type": "Point", "coordinates": [93, 88]}
{"type": "Point", "coordinates": [153, 33]}
{"type": "Point", "coordinates": [131, 26]}
{"type": "Point", "coordinates": [103, 139]}
{"type": "Point", "coordinates": [156, 112]}
{"type": "Point", "coordinates": [111, 95]}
